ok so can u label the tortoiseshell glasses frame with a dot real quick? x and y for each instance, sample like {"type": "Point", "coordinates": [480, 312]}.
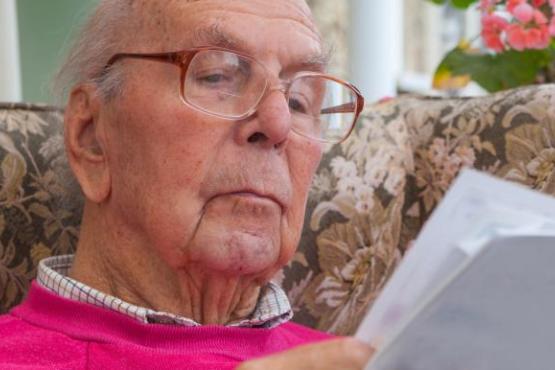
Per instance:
{"type": "Point", "coordinates": [232, 85]}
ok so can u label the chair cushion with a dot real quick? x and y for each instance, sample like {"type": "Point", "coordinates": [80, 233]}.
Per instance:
{"type": "Point", "coordinates": [369, 199]}
{"type": "Point", "coordinates": [373, 193]}
{"type": "Point", "coordinates": [38, 215]}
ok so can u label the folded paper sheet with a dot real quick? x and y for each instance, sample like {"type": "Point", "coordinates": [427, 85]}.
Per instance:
{"type": "Point", "coordinates": [477, 288]}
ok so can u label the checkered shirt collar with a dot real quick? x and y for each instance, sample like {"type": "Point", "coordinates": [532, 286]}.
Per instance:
{"type": "Point", "coordinates": [273, 307]}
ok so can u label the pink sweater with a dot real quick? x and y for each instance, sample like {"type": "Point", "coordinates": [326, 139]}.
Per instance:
{"type": "Point", "coordinates": [50, 332]}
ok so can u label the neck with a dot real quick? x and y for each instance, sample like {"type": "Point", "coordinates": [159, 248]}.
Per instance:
{"type": "Point", "coordinates": [118, 263]}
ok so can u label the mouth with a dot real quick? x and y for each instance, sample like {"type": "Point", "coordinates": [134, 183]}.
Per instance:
{"type": "Point", "coordinates": [256, 196]}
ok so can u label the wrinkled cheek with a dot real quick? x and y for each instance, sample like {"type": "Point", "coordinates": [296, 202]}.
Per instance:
{"type": "Point", "coordinates": [169, 239]}
{"type": "Point", "coordinates": [304, 169]}
{"type": "Point", "coordinates": [291, 231]}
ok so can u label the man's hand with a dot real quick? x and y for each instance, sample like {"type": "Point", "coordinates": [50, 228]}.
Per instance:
{"type": "Point", "coordinates": [344, 354]}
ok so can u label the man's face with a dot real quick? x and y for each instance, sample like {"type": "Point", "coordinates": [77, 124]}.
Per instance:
{"type": "Point", "coordinates": [224, 196]}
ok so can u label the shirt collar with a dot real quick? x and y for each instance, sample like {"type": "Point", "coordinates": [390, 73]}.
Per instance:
{"type": "Point", "coordinates": [272, 309]}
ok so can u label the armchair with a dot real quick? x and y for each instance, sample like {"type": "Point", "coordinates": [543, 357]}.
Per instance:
{"type": "Point", "coordinates": [369, 199]}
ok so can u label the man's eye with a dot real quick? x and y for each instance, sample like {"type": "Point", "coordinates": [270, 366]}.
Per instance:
{"type": "Point", "coordinates": [297, 106]}
{"type": "Point", "coordinates": [213, 78]}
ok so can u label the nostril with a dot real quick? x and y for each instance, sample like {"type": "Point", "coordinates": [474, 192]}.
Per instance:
{"type": "Point", "coordinates": [257, 137]}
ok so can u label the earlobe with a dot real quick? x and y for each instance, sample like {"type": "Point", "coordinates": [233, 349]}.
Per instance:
{"type": "Point", "coordinates": [85, 144]}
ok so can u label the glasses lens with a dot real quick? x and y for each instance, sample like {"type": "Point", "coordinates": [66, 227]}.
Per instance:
{"type": "Point", "coordinates": [223, 83]}
{"type": "Point", "coordinates": [322, 108]}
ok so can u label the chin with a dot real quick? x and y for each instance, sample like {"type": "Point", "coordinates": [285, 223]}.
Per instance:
{"type": "Point", "coordinates": [238, 253]}
{"type": "Point", "coordinates": [251, 253]}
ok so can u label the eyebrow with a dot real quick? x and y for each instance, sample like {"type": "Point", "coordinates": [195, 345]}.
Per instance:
{"type": "Point", "coordinates": [213, 35]}
{"type": "Point", "coordinates": [318, 62]}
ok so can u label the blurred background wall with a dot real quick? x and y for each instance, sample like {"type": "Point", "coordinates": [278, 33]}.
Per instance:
{"type": "Point", "coordinates": [10, 81]}
{"type": "Point", "coordinates": [384, 47]}
{"type": "Point", "coordinates": [45, 28]}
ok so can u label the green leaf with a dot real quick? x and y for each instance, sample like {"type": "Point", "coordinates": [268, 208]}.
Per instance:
{"type": "Point", "coordinates": [460, 4]}
{"type": "Point", "coordinates": [463, 4]}
{"type": "Point", "coordinates": [495, 72]}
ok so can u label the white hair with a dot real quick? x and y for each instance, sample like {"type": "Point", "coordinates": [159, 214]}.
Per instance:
{"type": "Point", "coordinates": [100, 37]}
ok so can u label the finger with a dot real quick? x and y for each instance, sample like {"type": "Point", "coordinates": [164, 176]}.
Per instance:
{"type": "Point", "coordinates": [344, 353]}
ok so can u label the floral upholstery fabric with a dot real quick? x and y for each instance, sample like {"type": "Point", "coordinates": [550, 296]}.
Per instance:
{"type": "Point", "coordinates": [37, 216]}
{"type": "Point", "coordinates": [368, 201]}
{"type": "Point", "coordinates": [373, 193]}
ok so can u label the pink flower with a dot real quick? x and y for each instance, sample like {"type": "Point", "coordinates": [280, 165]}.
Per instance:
{"type": "Point", "coordinates": [493, 42]}
{"type": "Point", "coordinates": [545, 37]}
{"type": "Point", "coordinates": [539, 17]}
{"type": "Point", "coordinates": [552, 26]}
{"type": "Point", "coordinates": [530, 27]}
{"type": "Point", "coordinates": [524, 12]}
{"type": "Point", "coordinates": [487, 6]}
{"type": "Point", "coordinates": [492, 27]}
{"type": "Point", "coordinates": [516, 36]}
{"type": "Point", "coordinates": [552, 23]}
{"type": "Point", "coordinates": [520, 38]}
{"type": "Point", "coordinates": [512, 4]}
{"type": "Point", "coordinates": [537, 38]}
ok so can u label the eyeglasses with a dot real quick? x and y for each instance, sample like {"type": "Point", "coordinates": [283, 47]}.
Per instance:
{"type": "Point", "coordinates": [231, 85]}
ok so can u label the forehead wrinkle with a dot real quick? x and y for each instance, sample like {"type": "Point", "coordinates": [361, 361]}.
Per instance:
{"type": "Point", "coordinates": [295, 11]}
{"type": "Point", "coordinates": [213, 35]}
{"type": "Point", "coordinates": [319, 61]}
{"type": "Point", "coordinates": [152, 16]}
{"type": "Point", "coordinates": [310, 25]}
{"type": "Point", "coordinates": [210, 31]}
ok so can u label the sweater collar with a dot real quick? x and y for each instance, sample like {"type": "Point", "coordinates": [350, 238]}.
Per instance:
{"type": "Point", "coordinates": [272, 309]}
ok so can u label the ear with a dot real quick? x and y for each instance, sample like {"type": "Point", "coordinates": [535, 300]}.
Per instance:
{"type": "Point", "coordinates": [85, 144]}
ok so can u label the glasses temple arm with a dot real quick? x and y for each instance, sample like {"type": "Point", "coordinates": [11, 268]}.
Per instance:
{"type": "Point", "coordinates": [344, 108]}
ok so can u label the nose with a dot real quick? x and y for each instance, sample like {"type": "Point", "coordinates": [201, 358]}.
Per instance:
{"type": "Point", "coordinates": [270, 126]}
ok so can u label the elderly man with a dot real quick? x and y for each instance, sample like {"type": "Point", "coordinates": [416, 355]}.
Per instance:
{"type": "Point", "coordinates": [194, 129]}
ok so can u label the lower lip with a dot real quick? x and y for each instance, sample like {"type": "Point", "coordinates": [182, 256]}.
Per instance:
{"type": "Point", "coordinates": [253, 197]}
{"type": "Point", "coordinates": [248, 195]}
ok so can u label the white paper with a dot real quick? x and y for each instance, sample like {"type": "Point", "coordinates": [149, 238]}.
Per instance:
{"type": "Point", "coordinates": [476, 210]}
{"type": "Point", "coordinates": [495, 313]}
